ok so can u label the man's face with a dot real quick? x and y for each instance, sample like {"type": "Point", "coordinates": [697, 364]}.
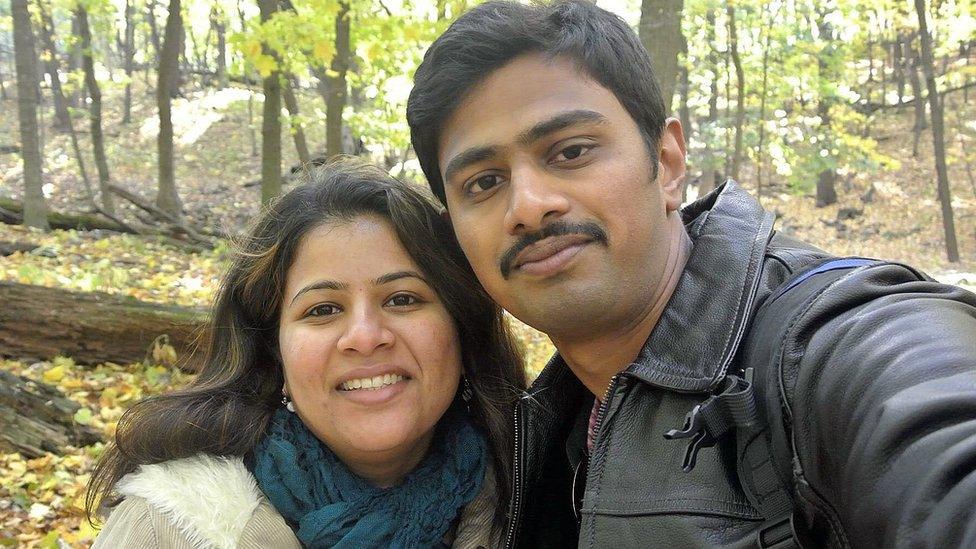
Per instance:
{"type": "Point", "coordinates": [549, 186]}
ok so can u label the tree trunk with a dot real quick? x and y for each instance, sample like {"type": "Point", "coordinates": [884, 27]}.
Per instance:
{"type": "Point", "coordinates": [36, 418]}
{"type": "Point", "coordinates": [740, 107]}
{"type": "Point", "coordinates": [51, 65]}
{"type": "Point", "coordinates": [660, 32]}
{"type": "Point", "coordinates": [827, 178]}
{"type": "Point", "coordinates": [271, 121]}
{"type": "Point", "coordinates": [74, 61]}
{"type": "Point", "coordinates": [337, 84]}
{"type": "Point", "coordinates": [220, 26]}
{"type": "Point", "coordinates": [900, 63]}
{"type": "Point", "coordinates": [709, 177]}
{"type": "Point", "coordinates": [153, 30]}
{"type": "Point", "coordinates": [920, 121]}
{"type": "Point", "coordinates": [938, 138]}
{"type": "Point", "coordinates": [297, 133]}
{"type": "Point", "coordinates": [128, 58]}
{"type": "Point", "coordinates": [760, 151]}
{"type": "Point", "coordinates": [95, 113]}
{"type": "Point", "coordinates": [90, 327]}
{"type": "Point", "coordinates": [167, 199]}
{"type": "Point", "coordinates": [25, 57]}
{"type": "Point", "coordinates": [59, 98]}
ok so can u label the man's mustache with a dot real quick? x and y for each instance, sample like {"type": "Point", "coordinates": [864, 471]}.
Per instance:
{"type": "Point", "coordinates": [557, 228]}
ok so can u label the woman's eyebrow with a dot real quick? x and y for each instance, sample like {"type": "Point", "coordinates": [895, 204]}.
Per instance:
{"type": "Point", "coordinates": [319, 285]}
{"type": "Point", "coordinates": [390, 277]}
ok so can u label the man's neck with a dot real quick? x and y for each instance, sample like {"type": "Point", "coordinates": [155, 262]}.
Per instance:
{"type": "Point", "coordinates": [596, 360]}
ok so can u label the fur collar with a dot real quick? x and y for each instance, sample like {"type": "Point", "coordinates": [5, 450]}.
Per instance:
{"type": "Point", "coordinates": [209, 498]}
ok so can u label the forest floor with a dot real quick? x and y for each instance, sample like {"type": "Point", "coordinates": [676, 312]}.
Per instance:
{"type": "Point", "coordinates": [42, 500]}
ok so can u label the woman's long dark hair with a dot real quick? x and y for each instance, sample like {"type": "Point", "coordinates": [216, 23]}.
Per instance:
{"type": "Point", "coordinates": [226, 409]}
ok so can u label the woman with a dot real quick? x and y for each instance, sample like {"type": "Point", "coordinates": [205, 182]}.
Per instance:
{"type": "Point", "coordinates": [357, 390]}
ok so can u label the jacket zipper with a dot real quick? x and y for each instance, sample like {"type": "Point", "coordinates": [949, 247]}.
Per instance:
{"type": "Point", "coordinates": [516, 481]}
{"type": "Point", "coordinates": [600, 416]}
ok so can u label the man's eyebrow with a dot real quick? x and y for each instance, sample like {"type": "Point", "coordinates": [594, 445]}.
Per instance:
{"type": "Point", "coordinates": [390, 277]}
{"type": "Point", "coordinates": [319, 285]}
{"type": "Point", "coordinates": [466, 158]}
{"type": "Point", "coordinates": [559, 122]}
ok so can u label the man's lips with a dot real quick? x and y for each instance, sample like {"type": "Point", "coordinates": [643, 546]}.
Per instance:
{"type": "Point", "coordinates": [548, 248]}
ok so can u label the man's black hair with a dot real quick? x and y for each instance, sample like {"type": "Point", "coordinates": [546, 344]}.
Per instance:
{"type": "Point", "coordinates": [496, 32]}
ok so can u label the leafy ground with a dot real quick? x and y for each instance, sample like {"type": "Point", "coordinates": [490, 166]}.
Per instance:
{"type": "Point", "coordinates": [41, 500]}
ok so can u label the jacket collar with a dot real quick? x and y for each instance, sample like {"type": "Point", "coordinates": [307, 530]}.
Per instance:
{"type": "Point", "coordinates": [699, 332]}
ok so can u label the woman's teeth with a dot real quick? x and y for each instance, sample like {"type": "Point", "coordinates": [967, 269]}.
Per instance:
{"type": "Point", "coordinates": [375, 382]}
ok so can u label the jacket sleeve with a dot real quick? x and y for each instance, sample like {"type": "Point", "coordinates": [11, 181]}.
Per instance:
{"type": "Point", "coordinates": [884, 410]}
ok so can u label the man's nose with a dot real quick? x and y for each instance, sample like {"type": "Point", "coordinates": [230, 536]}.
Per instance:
{"type": "Point", "coordinates": [536, 197]}
{"type": "Point", "coordinates": [365, 332]}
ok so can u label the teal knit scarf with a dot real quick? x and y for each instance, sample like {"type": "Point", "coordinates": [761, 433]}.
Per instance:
{"type": "Point", "coordinates": [329, 506]}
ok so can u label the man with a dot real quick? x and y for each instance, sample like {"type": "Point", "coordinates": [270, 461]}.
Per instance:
{"type": "Point", "coordinates": [544, 134]}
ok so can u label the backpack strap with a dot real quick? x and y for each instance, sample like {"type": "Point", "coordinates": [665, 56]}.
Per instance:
{"type": "Point", "coordinates": [748, 405]}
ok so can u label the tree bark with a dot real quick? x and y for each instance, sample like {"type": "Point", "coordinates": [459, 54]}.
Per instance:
{"type": "Point", "coordinates": [297, 133]}
{"type": "Point", "coordinates": [271, 121]}
{"type": "Point", "coordinates": [36, 418]}
{"type": "Point", "coordinates": [827, 178]}
{"type": "Point", "coordinates": [91, 327]}
{"type": "Point", "coordinates": [660, 32]}
{"type": "Point", "coordinates": [920, 121]}
{"type": "Point", "coordinates": [219, 24]}
{"type": "Point", "coordinates": [760, 151]}
{"type": "Point", "coordinates": [709, 177]}
{"type": "Point", "coordinates": [336, 103]}
{"type": "Point", "coordinates": [740, 106]}
{"type": "Point", "coordinates": [95, 113]}
{"type": "Point", "coordinates": [128, 60]}
{"type": "Point", "coordinates": [153, 30]}
{"type": "Point", "coordinates": [25, 57]}
{"type": "Point", "coordinates": [938, 137]}
{"type": "Point", "coordinates": [167, 199]}
{"type": "Point", "coordinates": [59, 97]}
{"type": "Point", "coordinates": [52, 66]}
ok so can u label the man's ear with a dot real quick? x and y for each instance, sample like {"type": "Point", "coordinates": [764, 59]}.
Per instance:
{"type": "Point", "coordinates": [672, 169]}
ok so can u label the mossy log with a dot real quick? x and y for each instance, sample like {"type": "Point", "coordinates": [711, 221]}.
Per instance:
{"type": "Point", "coordinates": [36, 418]}
{"type": "Point", "coordinates": [91, 327]}
{"type": "Point", "coordinates": [80, 221]}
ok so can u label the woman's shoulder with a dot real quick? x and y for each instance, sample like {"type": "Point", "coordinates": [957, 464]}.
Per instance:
{"type": "Point", "coordinates": [199, 501]}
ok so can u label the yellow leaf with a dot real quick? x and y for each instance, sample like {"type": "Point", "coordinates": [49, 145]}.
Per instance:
{"type": "Point", "coordinates": [265, 65]}
{"type": "Point", "coordinates": [251, 48]}
{"type": "Point", "coordinates": [324, 51]}
{"type": "Point", "coordinates": [54, 375]}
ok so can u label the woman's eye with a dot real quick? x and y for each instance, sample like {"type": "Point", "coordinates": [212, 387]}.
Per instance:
{"type": "Point", "coordinates": [325, 309]}
{"type": "Point", "coordinates": [402, 300]}
{"type": "Point", "coordinates": [483, 183]}
{"type": "Point", "coordinates": [572, 152]}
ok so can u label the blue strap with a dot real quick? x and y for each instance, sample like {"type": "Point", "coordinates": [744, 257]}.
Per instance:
{"type": "Point", "coordinates": [832, 265]}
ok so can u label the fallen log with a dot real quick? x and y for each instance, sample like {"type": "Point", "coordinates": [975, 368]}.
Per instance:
{"type": "Point", "coordinates": [11, 213]}
{"type": "Point", "coordinates": [10, 248]}
{"type": "Point", "coordinates": [177, 224]}
{"type": "Point", "coordinates": [91, 327]}
{"type": "Point", "coordinates": [36, 418]}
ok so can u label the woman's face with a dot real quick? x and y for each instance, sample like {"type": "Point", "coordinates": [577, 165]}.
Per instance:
{"type": "Point", "coordinates": [371, 356]}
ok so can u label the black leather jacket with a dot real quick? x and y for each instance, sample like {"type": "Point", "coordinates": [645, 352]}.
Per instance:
{"type": "Point", "coordinates": [884, 420]}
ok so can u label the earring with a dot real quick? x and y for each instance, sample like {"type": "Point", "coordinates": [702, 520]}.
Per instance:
{"type": "Point", "coordinates": [467, 393]}
{"type": "Point", "coordinates": [288, 404]}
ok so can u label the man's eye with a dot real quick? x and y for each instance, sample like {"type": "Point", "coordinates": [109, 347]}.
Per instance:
{"type": "Point", "coordinates": [325, 309]}
{"type": "Point", "coordinates": [402, 300]}
{"type": "Point", "coordinates": [483, 183]}
{"type": "Point", "coordinates": [572, 152]}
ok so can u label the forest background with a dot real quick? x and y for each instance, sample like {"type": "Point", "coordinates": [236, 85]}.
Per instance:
{"type": "Point", "coordinates": [138, 137]}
